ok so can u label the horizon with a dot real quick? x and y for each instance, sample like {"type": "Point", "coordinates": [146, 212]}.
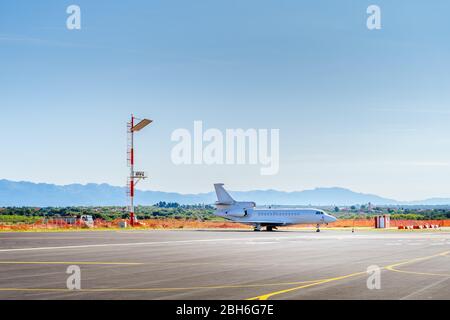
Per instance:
{"type": "Point", "coordinates": [399, 202]}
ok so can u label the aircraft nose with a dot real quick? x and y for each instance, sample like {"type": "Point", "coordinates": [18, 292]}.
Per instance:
{"type": "Point", "coordinates": [330, 219]}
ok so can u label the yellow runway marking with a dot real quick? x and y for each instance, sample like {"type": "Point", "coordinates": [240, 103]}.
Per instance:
{"type": "Point", "coordinates": [394, 266]}
{"type": "Point", "coordinates": [442, 254]}
{"type": "Point", "coordinates": [269, 295]}
{"type": "Point", "coordinates": [303, 284]}
{"type": "Point", "coordinates": [421, 273]}
{"type": "Point", "coordinates": [155, 289]}
{"type": "Point", "coordinates": [72, 263]}
{"type": "Point", "coordinates": [390, 268]}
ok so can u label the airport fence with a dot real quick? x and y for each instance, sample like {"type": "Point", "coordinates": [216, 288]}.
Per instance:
{"type": "Point", "coordinates": [61, 224]}
{"type": "Point", "coordinates": [64, 224]}
{"type": "Point", "coordinates": [348, 223]}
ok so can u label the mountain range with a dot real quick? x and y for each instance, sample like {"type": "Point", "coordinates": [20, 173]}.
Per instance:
{"type": "Point", "coordinates": [24, 194]}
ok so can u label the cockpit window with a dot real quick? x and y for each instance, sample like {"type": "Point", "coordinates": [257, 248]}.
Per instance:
{"type": "Point", "coordinates": [319, 212]}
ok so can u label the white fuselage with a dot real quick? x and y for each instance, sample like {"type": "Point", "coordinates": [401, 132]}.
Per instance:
{"type": "Point", "coordinates": [275, 217]}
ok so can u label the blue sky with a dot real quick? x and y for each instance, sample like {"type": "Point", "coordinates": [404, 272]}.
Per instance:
{"type": "Point", "coordinates": [366, 110]}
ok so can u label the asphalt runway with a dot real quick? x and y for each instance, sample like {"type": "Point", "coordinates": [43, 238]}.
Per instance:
{"type": "Point", "coordinates": [226, 264]}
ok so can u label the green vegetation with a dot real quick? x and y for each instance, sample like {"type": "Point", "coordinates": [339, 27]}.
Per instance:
{"type": "Point", "coordinates": [18, 219]}
{"type": "Point", "coordinates": [160, 210]}
{"type": "Point", "coordinates": [396, 213]}
{"type": "Point", "coordinates": [204, 212]}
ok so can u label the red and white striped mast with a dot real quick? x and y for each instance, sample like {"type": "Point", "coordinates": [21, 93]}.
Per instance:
{"type": "Point", "coordinates": [135, 176]}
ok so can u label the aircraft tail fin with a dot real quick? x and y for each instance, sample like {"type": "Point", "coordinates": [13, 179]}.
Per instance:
{"type": "Point", "coordinates": [222, 195]}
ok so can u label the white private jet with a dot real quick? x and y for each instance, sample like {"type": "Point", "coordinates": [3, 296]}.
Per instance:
{"type": "Point", "coordinates": [245, 212]}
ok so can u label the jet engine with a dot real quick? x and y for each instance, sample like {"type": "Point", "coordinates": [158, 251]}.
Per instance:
{"type": "Point", "coordinates": [246, 205]}
{"type": "Point", "coordinates": [236, 212]}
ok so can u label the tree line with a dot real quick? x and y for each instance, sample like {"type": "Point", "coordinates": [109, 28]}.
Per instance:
{"type": "Point", "coordinates": [200, 211]}
{"type": "Point", "coordinates": [159, 210]}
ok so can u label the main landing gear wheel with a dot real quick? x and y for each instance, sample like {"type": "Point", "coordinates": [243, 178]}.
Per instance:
{"type": "Point", "coordinates": [269, 228]}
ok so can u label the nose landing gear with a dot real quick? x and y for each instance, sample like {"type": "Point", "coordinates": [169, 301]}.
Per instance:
{"type": "Point", "coordinates": [257, 227]}
{"type": "Point", "coordinates": [318, 228]}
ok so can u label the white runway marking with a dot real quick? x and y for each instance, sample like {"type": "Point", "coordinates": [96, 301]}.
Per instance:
{"type": "Point", "coordinates": [409, 296]}
{"type": "Point", "coordinates": [140, 244]}
{"type": "Point", "coordinates": [260, 242]}
{"type": "Point", "coordinates": [155, 243]}
{"type": "Point", "coordinates": [116, 245]}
